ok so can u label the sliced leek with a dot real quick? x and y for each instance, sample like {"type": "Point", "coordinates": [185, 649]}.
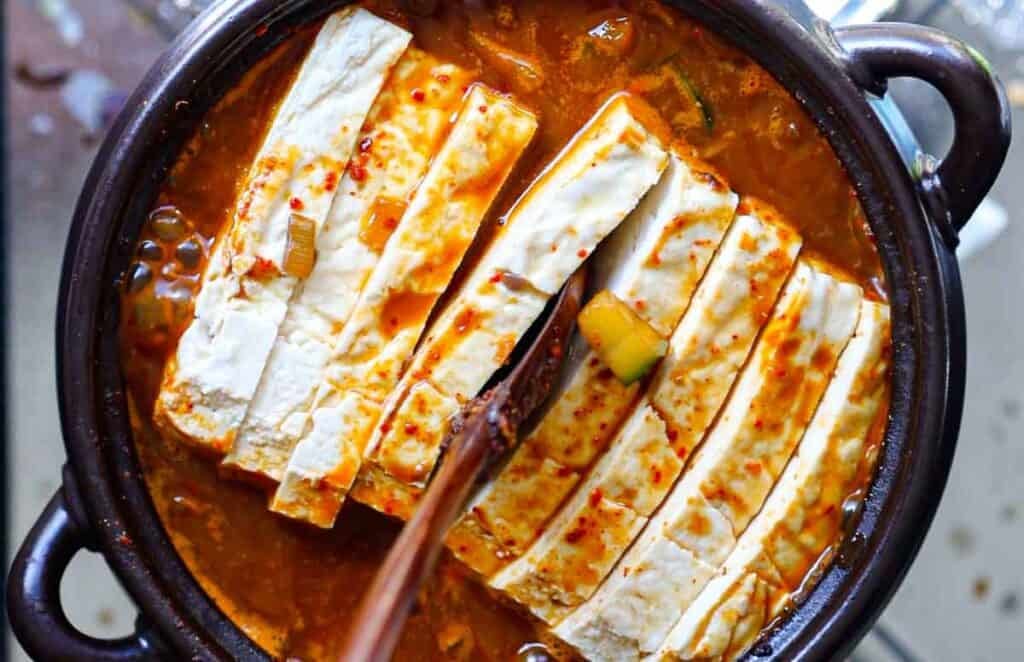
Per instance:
{"type": "Point", "coordinates": [300, 254]}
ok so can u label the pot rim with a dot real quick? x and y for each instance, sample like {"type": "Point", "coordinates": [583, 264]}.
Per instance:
{"type": "Point", "coordinates": [921, 273]}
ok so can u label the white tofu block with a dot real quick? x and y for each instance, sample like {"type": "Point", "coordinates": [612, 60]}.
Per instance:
{"type": "Point", "coordinates": [489, 135]}
{"type": "Point", "coordinates": [565, 565]}
{"type": "Point", "coordinates": [570, 209]}
{"type": "Point", "coordinates": [653, 261]}
{"type": "Point", "coordinates": [640, 466]}
{"type": "Point", "coordinates": [571, 557]}
{"type": "Point", "coordinates": [645, 458]}
{"type": "Point", "coordinates": [656, 258]}
{"type": "Point", "coordinates": [622, 622]}
{"type": "Point", "coordinates": [697, 526]}
{"type": "Point", "coordinates": [395, 147]}
{"type": "Point", "coordinates": [400, 138]}
{"type": "Point", "coordinates": [307, 491]}
{"type": "Point", "coordinates": [589, 405]}
{"type": "Point", "coordinates": [580, 198]}
{"type": "Point", "coordinates": [314, 132]}
{"type": "Point", "coordinates": [803, 514]}
{"type": "Point", "coordinates": [415, 423]}
{"type": "Point", "coordinates": [485, 331]}
{"type": "Point", "coordinates": [477, 334]}
{"type": "Point", "coordinates": [775, 396]}
{"type": "Point", "coordinates": [376, 488]}
{"type": "Point", "coordinates": [724, 621]}
{"type": "Point", "coordinates": [510, 512]}
{"type": "Point", "coordinates": [730, 307]}
{"type": "Point", "coordinates": [792, 360]}
{"type": "Point", "coordinates": [210, 381]}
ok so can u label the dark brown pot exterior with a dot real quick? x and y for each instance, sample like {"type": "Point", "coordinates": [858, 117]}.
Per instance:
{"type": "Point", "coordinates": [104, 504]}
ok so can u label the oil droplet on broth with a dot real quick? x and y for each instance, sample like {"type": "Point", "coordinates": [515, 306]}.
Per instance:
{"type": "Point", "coordinates": [851, 509]}
{"type": "Point", "coordinates": [534, 652]}
{"type": "Point", "coordinates": [850, 551]}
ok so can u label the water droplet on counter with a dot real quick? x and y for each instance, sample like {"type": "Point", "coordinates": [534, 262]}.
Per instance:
{"type": "Point", "coordinates": [41, 124]}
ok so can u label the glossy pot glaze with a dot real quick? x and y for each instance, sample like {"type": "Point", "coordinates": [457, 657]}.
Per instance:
{"type": "Point", "coordinates": [104, 504]}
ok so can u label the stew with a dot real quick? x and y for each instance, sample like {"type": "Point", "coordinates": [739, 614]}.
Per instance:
{"type": "Point", "coordinates": [292, 587]}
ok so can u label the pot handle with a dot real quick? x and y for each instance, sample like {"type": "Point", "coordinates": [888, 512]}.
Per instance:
{"type": "Point", "coordinates": [33, 596]}
{"type": "Point", "coordinates": [951, 189]}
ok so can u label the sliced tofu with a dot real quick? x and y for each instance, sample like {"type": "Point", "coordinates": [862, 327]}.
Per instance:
{"type": "Point", "coordinates": [618, 623]}
{"type": "Point", "coordinates": [423, 411]}
{"type": "Point", "coordinates": [381, 491]}
{"type": "Point", "coordinates": [641, 465]}
{"type": "Point", "coordinates": [565, 565]}
{"type": "Point", "coordinates": [647, 455]}
{"type": "Point", "coordinates": [731, 616]}
{"type": "Point", "coordinates": [586, 192]}
{"type": "Point", "coordinates": [399, 139]}
{"type": "Point", "coordinates": [489, 135]}
{"type": "Point", "coordinates": [590, 404]}
{"type": "Point", "coordinates": [570, 558]}
{"type": "Point", "coordinates": [653, 261]}
{"type": "Point", "coordinates": [731, 306]}
{"type": "Point", "coordinates": [499, 525]}
{"type": "Point", "coordinates": [589, 188]}
{"type": "Point", "coordinates": [213, 375]}
{"type": "Point", "coordinates": [508, 514]}
{"type": "Point", "coordinates": [803, 514]}
{"type": "Point", "coordinates": [731, 473]}
{"type": "Point", "coordinates": [774, 399]}
{"type": "Point", "coordinates": [656, 258]}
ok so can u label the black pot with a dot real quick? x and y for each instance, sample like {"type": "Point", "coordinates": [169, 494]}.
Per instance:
{"type": "Point", "coordinates": [104, 505]}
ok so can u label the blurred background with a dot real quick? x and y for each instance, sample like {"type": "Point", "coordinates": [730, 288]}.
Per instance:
{"type": "Point", "coordinates": [68, 66]}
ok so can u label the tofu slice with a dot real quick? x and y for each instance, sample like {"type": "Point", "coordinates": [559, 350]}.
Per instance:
{"type": "Point", "coordinates": [512, 509]}
{"type": "Point", "coordinates": [656, 258]}
{"type": "Point", "coordinates": [653, 261]}
{"type": "Point", "coordinates": [647, 455]}
{"type": "Point", "coordinates": [731, 473]}
{"type": "Point", "coordinates": [570, 558]}
{"type": "Point", "coordinates": [803, 514]}
{"type": "Point", "coordinates": [213, 375]}
{"type": "Point", "coordinates": [773, 401]}
{"type": "Point", "coordinates": [715, 336]}
{"type": "Point", "coordinates": [589, 188]}
{"type": "Point", "coordinates": [565, 565]}
{"type": "Point", "coordinates": [618, 623]}
{"type": "Point", "coordinates": [395, 148]}
{"type": "Point", "coordinates": [487, 140]}
{"type": "Point", "coordinates": [734, 613]}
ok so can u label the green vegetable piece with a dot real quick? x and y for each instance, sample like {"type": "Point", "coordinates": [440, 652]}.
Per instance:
{"type": "Point", "coordinates": [624, 342]}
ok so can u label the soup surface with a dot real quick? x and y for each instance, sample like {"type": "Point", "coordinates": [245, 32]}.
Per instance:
{"type": "Point", "coordinates": [293, 588]}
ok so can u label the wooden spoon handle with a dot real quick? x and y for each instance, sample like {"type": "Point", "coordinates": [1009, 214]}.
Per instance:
{"type": "Point", "coordinates": [480, 435]}
{"type": "Point", "coordinates": [383, 611]}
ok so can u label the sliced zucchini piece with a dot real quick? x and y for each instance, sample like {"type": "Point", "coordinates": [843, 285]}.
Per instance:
{"type": "Point", "coordinates": [627, 344]}
{"type": "Point", "coordinates": [675, 67]}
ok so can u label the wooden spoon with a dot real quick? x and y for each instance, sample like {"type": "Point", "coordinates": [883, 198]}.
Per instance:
{"type": "Point", "coordinates": [483, 432]}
